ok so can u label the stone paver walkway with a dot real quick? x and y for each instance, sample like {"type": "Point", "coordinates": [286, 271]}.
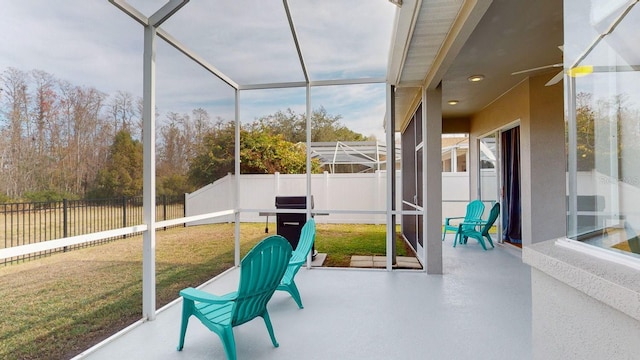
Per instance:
{"type": "Point", "coordinates": [366, 261]}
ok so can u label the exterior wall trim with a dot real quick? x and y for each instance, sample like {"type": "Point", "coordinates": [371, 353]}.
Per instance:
{"type": "Point", "coordinates": [609, 282]}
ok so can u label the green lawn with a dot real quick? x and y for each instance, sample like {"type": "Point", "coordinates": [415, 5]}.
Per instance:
{"type": "Point", "coordinates": [57, 306]}
{"type": "Point", "coordinates": [340, 241]}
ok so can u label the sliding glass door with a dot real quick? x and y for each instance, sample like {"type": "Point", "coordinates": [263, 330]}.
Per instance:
{"type": "Point", "coordinates": [488, 184]}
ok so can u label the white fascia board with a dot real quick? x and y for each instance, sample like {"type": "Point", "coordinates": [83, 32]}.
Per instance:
{"type": "Point", "coordinates": [166, 11]}
{"type": "Point", "coordinates": [195, 57]}
{"type": "Point", "coordinates": [410, 84]}
{"type": "Point", "coordinates": [131, 11]}
{"type": "Point", "coordinates": [404, 25]}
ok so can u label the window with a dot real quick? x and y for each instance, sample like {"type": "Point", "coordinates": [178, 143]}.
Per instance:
{"type": "Point", "coordinates": [603, 123]}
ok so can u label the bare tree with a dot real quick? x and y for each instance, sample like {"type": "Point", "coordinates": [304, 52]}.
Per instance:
{"type": "Point", "coordinates": [172, 145]}
{"type": "Point", "coordinates": [87, 137]}
{"type": "Point", "coordinates": [201, 125]}
{"type": "Point", "coordinates": [123, 112]}
{"type": "Point", "coordinates": [15, 109]}
{"type": "Point", "coordinates": [45, 135]}
{"type": "Point", "coordinates": [57, 136]}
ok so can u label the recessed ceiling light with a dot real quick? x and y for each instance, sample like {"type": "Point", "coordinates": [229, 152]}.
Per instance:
{"type": "Point", "coordinates": [475, 78]}
{"type": "Point", "coordinates": [452, 102]}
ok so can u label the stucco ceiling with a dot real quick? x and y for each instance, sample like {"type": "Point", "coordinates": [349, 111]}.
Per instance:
{"type": "Point", "coordinates": [452, 40]}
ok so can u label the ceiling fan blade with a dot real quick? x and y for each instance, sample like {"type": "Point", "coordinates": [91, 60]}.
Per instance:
{"type": "Point", "coordinates": [556, 79]}
{"type": "Point", "coordinates": [537, 68]}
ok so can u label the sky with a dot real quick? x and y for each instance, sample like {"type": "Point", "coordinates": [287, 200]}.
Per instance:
{"type": "Point", "coordinates": [93, 43]}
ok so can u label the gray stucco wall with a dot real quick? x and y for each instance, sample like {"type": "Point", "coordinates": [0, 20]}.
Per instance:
{"type": "Point", "coordinates": [583, 307]}
{"type": "Point", "coordinates": [543, 164]}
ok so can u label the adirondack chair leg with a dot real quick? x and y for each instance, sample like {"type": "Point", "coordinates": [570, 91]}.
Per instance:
{"type": "Point", "coordinates": [295, 294]}
{"type": "Point", "coordinates": [267, 322]}
{"type": "Point", "coordinates": [292, 289]}
{"type": "Point", "coordinates": [187, 306]}
{"type": "Point", "coordinates": [458, 239]}
{"type": "Point", "coordinates": [490, 241]}
{"type": "Point", "coordinates": [228, 342]}
{"type": "Point", "coordinates": [481, 241]}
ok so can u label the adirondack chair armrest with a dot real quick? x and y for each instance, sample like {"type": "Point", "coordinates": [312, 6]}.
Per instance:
{"type": "Point", "coordinates": [446, 220]}
{"type": "Point", "coordinates": [203, 296]}
{"type": "Point", "coordinates": [473, 222]}
{"type": "Point", "coordinates": [296, 262]}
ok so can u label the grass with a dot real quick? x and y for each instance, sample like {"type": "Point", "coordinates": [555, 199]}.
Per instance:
{"type": "Point", "coordinates": [57, 306]}
{"type": "Point", "coordinates": [340, 241]}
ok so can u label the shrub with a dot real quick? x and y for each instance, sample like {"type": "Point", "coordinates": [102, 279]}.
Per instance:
{"type": "Point", "coordinates": [47, 196]}
{"type": "Point", "coordinates": [4, 199]}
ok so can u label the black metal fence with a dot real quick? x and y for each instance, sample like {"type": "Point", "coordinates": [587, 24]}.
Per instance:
{"type": "Point", "coordinates": [28, 223]}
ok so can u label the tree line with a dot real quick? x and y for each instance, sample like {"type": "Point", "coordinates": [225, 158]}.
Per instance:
{"type": "Point", "coordinates": [60, 140]}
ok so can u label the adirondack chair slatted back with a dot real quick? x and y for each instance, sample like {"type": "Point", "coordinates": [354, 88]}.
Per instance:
{"type": "Point", "coordinates": [298, 259]}
{"type": "Point", "coordinates": [474, 210]}
{"type": "Point", "coordinates": [493, 216]}
{"type": "Point", "coordinates": [260, 273]}
{"type": "Point", "coordinates": [307, 237]}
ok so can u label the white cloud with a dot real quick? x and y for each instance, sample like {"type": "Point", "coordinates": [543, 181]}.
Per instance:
{"type": "Point", "coordinates": [349, 37]}
{"type": "Point", "coordinates": [362, 107]}
{"type": "Point", "coordinates": [86, 43]}
{"type": "Point", "coordinates": [92, 43]}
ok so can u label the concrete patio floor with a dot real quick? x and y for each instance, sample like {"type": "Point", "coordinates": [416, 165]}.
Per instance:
{"type": "Point", "coordinates": [479, 309]}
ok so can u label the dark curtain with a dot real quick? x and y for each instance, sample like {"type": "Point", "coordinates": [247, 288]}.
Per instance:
{"type": "Point", "coordinates": [511, 215]}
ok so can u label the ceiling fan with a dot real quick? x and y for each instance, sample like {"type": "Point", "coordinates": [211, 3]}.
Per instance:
{"type": "Point", "coordinates": [554, 80]}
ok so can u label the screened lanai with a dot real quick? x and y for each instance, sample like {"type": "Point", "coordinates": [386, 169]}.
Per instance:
{"type": "Point", "coordinates": [265, 55]}
{"type": "Point", "coordinates": [252, 52]}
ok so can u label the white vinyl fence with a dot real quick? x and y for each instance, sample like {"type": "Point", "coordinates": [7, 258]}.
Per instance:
{"type": "Point", "coordinates": [362, 194]}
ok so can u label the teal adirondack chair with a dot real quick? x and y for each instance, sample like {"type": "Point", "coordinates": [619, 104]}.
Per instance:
{"type": "Point", "coordinates": [474, 213]}
{"type": "Point", "coordinates": [299, 258]}
{"type": "Point", "coordinates": [469, 229]}
{"type": "Point", "coordinates": [260, 273]}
